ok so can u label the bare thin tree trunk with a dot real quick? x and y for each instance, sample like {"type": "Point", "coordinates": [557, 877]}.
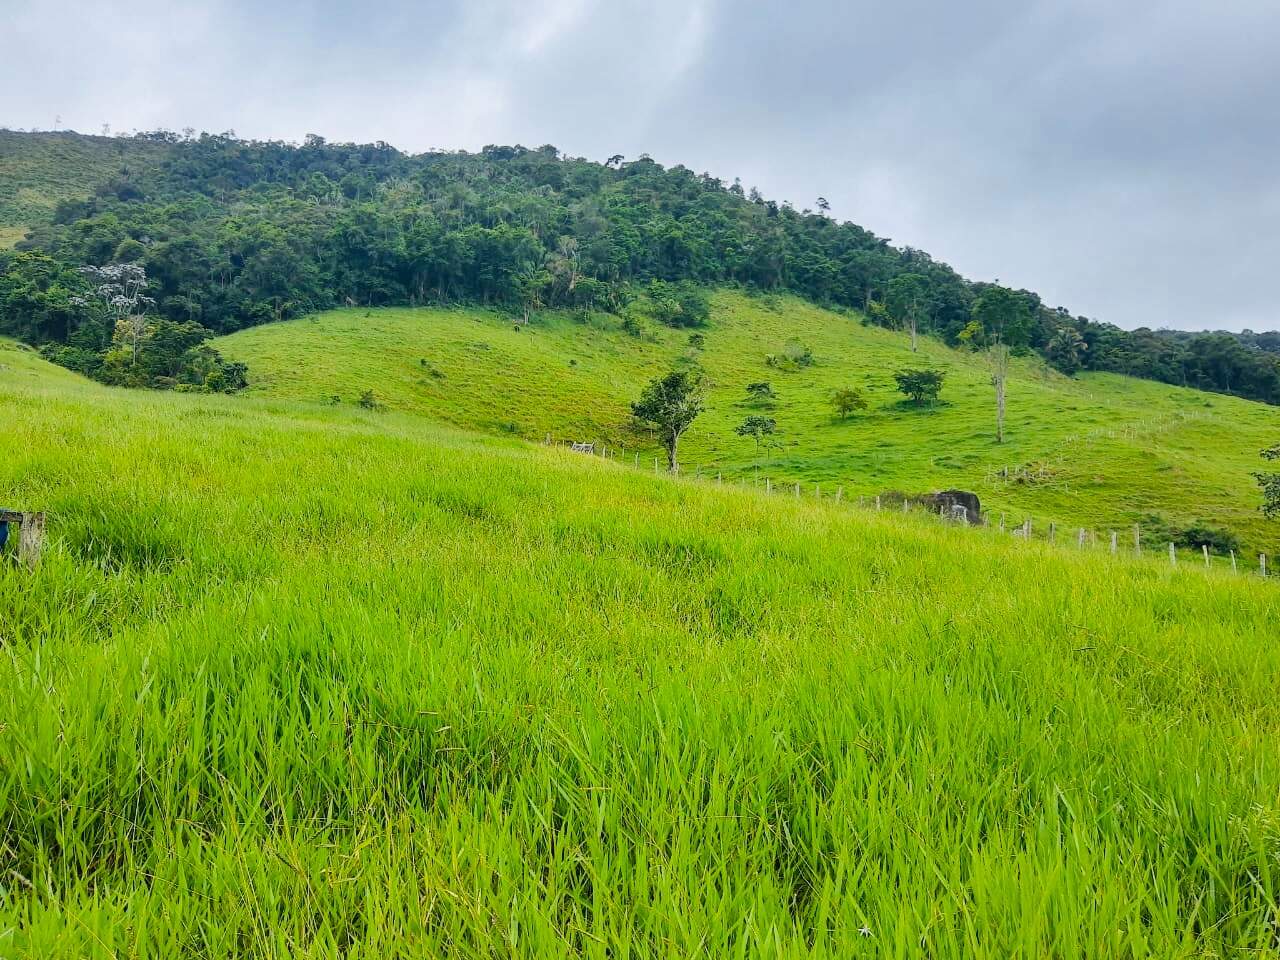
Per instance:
{"type": "Point", "coordinates": [999, 360]}
{"type": "Point", "coordinates": [1000, 409]}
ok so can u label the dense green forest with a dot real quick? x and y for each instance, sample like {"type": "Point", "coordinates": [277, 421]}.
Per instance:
{"type": "Point", "coordinates": [231, 233]}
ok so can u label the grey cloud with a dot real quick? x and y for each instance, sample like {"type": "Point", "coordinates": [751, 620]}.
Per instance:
{"type": "Point", "coordinates": [1117, 157]}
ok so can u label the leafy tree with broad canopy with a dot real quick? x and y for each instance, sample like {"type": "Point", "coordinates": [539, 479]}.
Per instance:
{"type": "Point", "coordinates": [671, 404]}
{"type": "Point", "coordinates": [920, 385]}
{"type": "Point", "coordinates": [848, 400]}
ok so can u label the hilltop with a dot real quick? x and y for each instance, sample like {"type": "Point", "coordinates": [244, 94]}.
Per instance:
{"type": "Point", "coordinates": [309, 680]}
{"type": "Point", "coordinates": [1100, 450]}
{"type": "Point", "coordinates": [39, 170]}
{"type": "Point", "coordinates": [234, 233]}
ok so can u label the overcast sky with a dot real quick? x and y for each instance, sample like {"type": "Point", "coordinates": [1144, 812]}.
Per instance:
{"type": "Point", "coordinates": [1118, 156]}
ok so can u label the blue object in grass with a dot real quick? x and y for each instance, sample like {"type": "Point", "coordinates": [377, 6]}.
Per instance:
{"type": "Point", "coordinates": [4, 533]}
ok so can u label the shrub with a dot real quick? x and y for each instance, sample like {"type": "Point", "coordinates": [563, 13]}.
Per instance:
{"type": "Point", "coordinates": [920, 385]}
{"type": "Point", "coordinates": [847, 401]}
{"type": "Point", "coordinates": [794, 356]}
{"type": "Point", "coordinates": [1158, 529]}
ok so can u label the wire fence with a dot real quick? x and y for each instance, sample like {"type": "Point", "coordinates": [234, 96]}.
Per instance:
{"type": "Point", "coordinates": [1118, 542]}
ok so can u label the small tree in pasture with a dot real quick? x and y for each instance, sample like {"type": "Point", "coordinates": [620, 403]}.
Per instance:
{"type": "Point", "coordinates": [761, 392]}
{"type": "Point", "coordinates": [848, 400]}
{"type": "Point", "coordinates": [671, 404]}
{"type": "Point", "coordinates": [922, 386]}
{"type": "Point", "coordinates": [1270, 484]}
{"type": "Point", "coordinates": [757, 428]}
{"type": "Point", "coordinates": [1000, 321]}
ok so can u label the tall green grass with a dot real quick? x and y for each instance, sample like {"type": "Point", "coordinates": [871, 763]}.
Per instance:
{"type": "Point", "coordinates": [297, 681]}
{"type": "Point", "coordinates": [1101, 451]}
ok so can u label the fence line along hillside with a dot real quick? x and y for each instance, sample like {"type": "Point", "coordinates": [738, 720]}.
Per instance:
{"type": "Point", "coordinates": [1127, 543]}
{"type": "Point", "coordinates": [1098, 451]}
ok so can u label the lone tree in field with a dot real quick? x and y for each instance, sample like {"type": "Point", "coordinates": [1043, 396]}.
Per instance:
{"type": "Point", "coordinates": [922, 386]}
{"type": "Point", "coordinates": [1001, 320]}
{"type": "Point", "coordinates": [757, 428]}
{"type": "Point", "coordinates": [847, 401]}
{"type": "Point", "coordinates": [671, 404]}
{"type": "Point", "coordinates": [1270, 484]}
{"type": "Point", "coordinates": [907, 301]}
{"type": "Point", "coordinates": [761, 392]}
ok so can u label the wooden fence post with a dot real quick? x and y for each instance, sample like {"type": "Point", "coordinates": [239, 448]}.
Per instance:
{"type": "Point", "coordinates": [797, 491]}
{"type": "Point", "coordinates": [1205, 548]}
{"type": "Point", "coordinates": [1173, 556]}
{"type": "Point", "coordinates": [768, 485]}
{"type": "Point", "coordinates": [1115, 541]}
{"type": "Point", "coordinates": [1262, 563]}
{"type": "Point", "coordinates": [1137, 539]}
{"type": "Point", "coordinates": [1053, 532]}
{"type": "Point", "coordinates": [877, 501]}
{"type": "Point", "coordinates": [31, 539]}
{"type": "Point", "coordinates": [1002, 523]}
{"type": "Point", "coordinates": [1080, 540]}
{"type": "Point", "coordinates": [839, 494]}
{"type": "Point", "coordinates": [1233, 561]}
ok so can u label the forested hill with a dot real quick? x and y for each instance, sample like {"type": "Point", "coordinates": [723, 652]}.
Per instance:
{"type": "Point", "coordinates": [226, 233]}
{"type": "Point", "coordinates": [39, 169]}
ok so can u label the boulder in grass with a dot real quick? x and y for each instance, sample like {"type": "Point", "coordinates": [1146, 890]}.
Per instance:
{"type": "Point", "coordinates": [950, 500]}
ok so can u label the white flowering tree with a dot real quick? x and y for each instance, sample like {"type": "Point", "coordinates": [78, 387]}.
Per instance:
{"type": "Point", "coordinates": [121, 289]}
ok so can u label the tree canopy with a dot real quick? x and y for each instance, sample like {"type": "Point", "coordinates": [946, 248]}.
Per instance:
{"type": "Point", "coordinates": [848, 400]}
{"type": "Point", "coordinates": [922, 386]}
{"type": "Point", "coordinates": [670, 404]}
{"type": "Point", "coordinates": [234, 233]}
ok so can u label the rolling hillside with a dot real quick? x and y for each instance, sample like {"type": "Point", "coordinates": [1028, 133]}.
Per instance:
{"type": "Point", "coordinates": [316, 681]}
{"type": "Point", "coordinates": [37, 170]}
{"type": "Point", "coordinates": [1102, 451]}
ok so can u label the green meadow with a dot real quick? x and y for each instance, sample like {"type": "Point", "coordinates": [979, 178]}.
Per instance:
{"type": "Point", "coordinates": [307, 680]}
{"type": "Point", "coordinates": [1101, 451]}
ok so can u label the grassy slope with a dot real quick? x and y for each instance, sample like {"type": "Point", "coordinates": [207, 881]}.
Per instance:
{"type": "Point", "coordinates": [39, 169]}
{"type": "Point", "coordinates": [1188, 459]}
{"type": "Point", "coordinates": [304, 681]}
